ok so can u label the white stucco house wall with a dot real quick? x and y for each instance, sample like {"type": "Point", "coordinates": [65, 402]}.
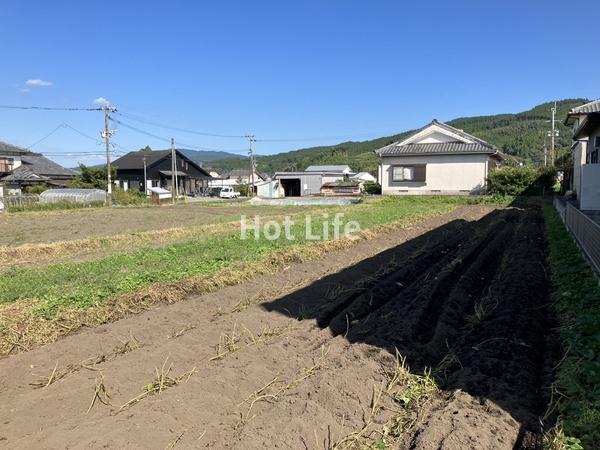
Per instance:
{"type": "Point", "coordinates": [585, 120]}
{"type": "Point", "coordinates": [437, 159]}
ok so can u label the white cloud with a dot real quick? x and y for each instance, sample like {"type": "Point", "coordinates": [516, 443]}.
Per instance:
{"type": "Point", "coordinates": [101, 101]}
{"type": "Point", "coordinates": [25, 90]}
{"type": "Point", "coordinates": [38, 82]}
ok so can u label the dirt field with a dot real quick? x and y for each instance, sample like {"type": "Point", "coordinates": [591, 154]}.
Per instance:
{"type": "Point", "coordinates": [307, 358]}
{"type": "Point", "coordinates": [51, 226]}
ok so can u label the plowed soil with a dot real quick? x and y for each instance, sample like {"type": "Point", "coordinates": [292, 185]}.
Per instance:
{"type": "Point", "coordinates": [295, 359]}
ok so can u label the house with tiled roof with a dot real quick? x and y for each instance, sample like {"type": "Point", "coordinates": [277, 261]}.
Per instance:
{"type": "Point", "coordinates": [585, 121]}
{"type": "Point", "coordinates": [21, 168]}
{"type": "Point", "coordinates": [437, 159]}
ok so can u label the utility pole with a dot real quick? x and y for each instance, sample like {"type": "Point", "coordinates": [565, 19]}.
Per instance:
{"type": "Point", "coordinates": [106, 134]}
{"type": "Point", "coordinates": [553, 134]}
{"type": "Point", "coordinates": [173, 167]}
{"type": "Point", "coordinates": [145, 177]}
{"type": "Point", "coordinates": [251, 156]}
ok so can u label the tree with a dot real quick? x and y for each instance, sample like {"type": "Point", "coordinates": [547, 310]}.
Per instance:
{"type": "Point", "coordinates": [146, 149]}
{"type": "Point", "coordinates": [92, 177]}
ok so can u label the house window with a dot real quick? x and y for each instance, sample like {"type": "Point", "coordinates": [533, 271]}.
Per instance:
{"type": "Point", "coordinates": [6, 164]}
{"type": "Point", "coordinates": [408, 173]}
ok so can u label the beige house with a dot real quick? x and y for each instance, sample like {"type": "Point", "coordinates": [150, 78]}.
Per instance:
{"type": "Point", "coordinates": [436, 160]}
{"type": "Point", "coordinates": [585, 120]}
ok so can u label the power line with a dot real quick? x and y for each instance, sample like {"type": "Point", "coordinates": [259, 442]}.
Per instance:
{"type": "Point", "coordinates": [48, 108]}
{"type": "Point", "coordinates": [168, 140]}
{"type": "Point", "coordinates": [183, 130]}
{"type": "Point", "coordinates": [46, 137]}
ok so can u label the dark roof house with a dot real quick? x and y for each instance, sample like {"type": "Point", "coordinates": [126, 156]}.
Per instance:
{"type": "Point", "coordinates": [190, 177]}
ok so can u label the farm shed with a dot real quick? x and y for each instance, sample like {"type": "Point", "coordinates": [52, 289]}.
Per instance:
{"type": "Point", "coordinates": [341, 188]}
{"type": "Point", "coordinates": [85, 196]}
{"type": "Point", "coordinates": [159, 195]}
{"type": "Point", "coordinates": [299, 184]}
{"type": "Point", "coordinates": [269, 189]}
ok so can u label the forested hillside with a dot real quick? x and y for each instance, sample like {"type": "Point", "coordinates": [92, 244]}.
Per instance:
{"type": "Point", "coordinates": [521, 135]}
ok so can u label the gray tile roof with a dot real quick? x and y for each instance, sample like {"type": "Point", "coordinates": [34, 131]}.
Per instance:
{"type": "Point", "coordinates": [444, 148]}
{"type": "Point", "coordinates": [587, 108]}
{"type": "Point", "coordinates": [22, 173]}
{"type": "Point", "coordinates": [11, 149]}
{"type": "Point", "coordinates": [41, 165]}
{"type": "Point", "coordinates": [457, 147]}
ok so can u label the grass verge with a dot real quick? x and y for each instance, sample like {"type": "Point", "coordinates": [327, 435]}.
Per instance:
{"type": "Point", "coordinates": [576, 298]}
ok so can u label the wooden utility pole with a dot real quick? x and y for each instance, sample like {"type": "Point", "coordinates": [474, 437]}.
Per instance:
{"type": "Point", "coordinates": [145, 177]}
{"type": "Point", "coordinates": [106, 134]}
{"type": "Point", "coordinates": [251, 156]}
{"type": "Point", "coordinates": [173, 167]}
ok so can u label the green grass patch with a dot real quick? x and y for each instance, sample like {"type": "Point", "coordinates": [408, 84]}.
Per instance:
{"type": "Point", "coordinates": [576, 297]}
{"type": "Point", "coordinates": [89, 283]}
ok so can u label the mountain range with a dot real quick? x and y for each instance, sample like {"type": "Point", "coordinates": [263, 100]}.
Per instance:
{"type": "Point", "coordinates": [521, 135]}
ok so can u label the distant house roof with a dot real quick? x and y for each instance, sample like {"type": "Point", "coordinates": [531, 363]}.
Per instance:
{"type": "Point", "coordinates": [241, 173]}
{"type": "Point", "coordinates": [34, 166]}
{"type": "Point", "coordinates": [363, 176]}
{"type": "Point", "coordinates": [461, 143]}
{"type": "Point", "coordinates": [329, 168]}
{"type": "Point", "coordinates": [135, 160]}
{"type": "Point", "coordinates": [11, 149]}
{"type": "Point", "coordinates": [41, 165]}
{"type": "Point", "coordinates": [23, 174]}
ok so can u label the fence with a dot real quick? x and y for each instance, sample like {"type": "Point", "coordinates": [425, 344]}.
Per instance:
{"type": "Point", "coordinates": [20, 200]}
{"type": "Point", "coordinates": [585, 230]}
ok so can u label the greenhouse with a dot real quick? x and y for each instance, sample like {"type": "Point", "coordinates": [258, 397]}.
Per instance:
{"type": "Point", "coordinates": [73, 195]}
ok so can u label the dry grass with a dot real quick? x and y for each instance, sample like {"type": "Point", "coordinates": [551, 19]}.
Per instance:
{"type": "Point", "coordinates": [100, 393]}
{"type": "Point", "coordinates": [228, 343]}
{"type": "Point", "coordinates": [403, 397]}
{"type": "Point", "coordinates": [275, 389]}
{"type": "Point", "coordinates": [175, 334]}
{"type": "Point", "coordinates": [162, 381]}
{"type": "Point", "coordinates": [124, 346]}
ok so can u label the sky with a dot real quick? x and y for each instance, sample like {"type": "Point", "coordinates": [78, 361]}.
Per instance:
{"type": "Point", "coordinates": [296, 74]}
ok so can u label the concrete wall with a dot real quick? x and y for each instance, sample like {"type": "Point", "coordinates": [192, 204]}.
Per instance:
{"type": "Point", "coordinates": [579, 153]}
{"type": "Point", "coordinates": [589, 198]}
{"type": "Point", "coordinates": [445, 174]}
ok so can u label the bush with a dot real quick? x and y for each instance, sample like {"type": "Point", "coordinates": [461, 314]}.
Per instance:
{"type": "Point", "coordinates": [371, 187]}
{"type": "Point", "coordinates": [131, 197]}
{"type": "Point", "coordinates": [53, 206]}
{"type": "Point", "coordinates": [521, 181]}
{"type": "Point", "coordinates": [244, 189]}
{"type": "Point", "coordinates": [37, 188]}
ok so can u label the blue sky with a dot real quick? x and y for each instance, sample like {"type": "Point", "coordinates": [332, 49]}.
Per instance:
{"type": "Point", "coordinates": [285, 70]}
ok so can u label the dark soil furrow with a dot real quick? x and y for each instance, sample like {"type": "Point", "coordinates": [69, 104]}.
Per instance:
{"type": "Point", "coordinates": [401, 288]}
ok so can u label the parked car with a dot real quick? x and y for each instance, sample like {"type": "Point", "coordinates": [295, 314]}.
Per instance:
{"type": "Point", "coordinates": [228, 192]}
